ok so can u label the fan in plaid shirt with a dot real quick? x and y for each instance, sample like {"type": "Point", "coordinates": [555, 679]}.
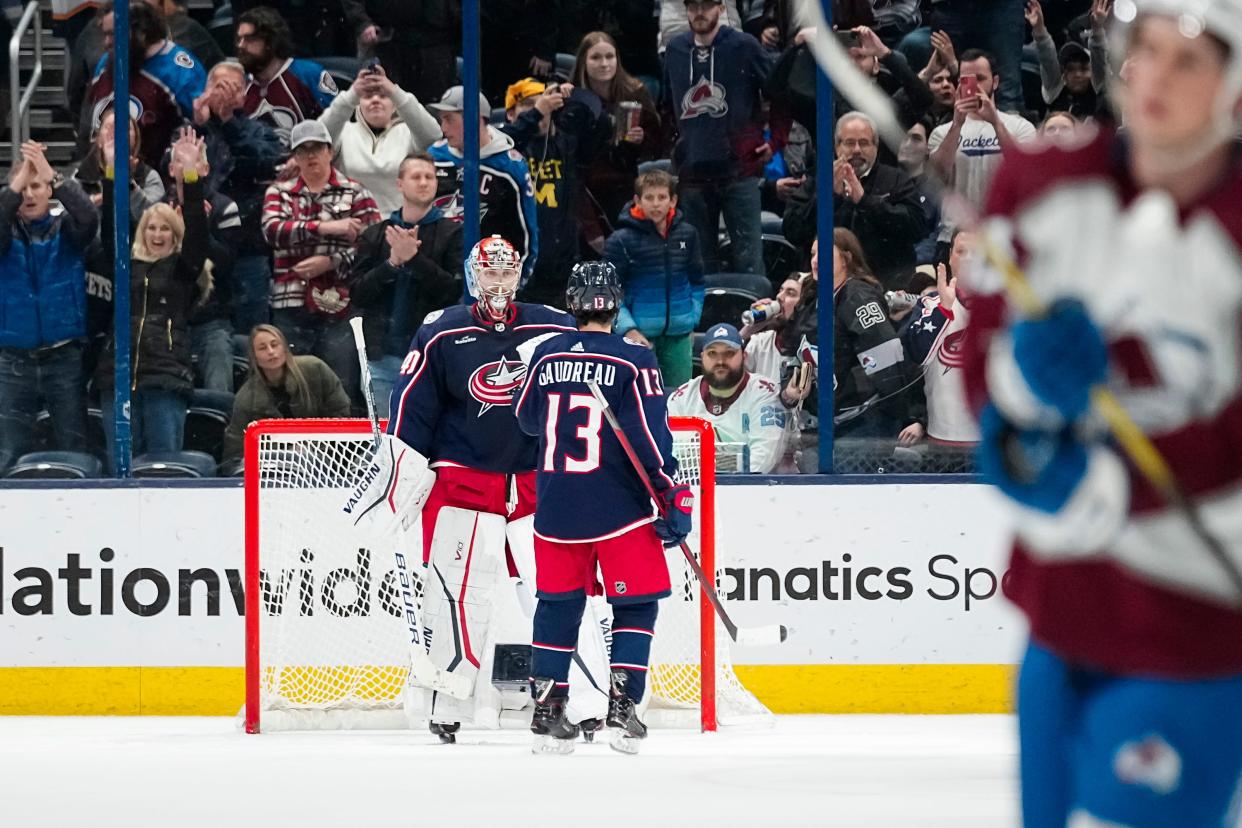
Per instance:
{"type": "Point", "coordinates": [312, 222]}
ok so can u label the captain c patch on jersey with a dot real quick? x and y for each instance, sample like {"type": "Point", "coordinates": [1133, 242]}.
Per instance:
{"type": "Point", "coordinates": [494, 383]}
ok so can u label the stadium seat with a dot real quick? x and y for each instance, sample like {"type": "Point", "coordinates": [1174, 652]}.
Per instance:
{"type": "Point", "coordinates": [55, 465]}
{"type": "Point", "coordinates": [727, 295]}
{"type": "Point", "coordinates": [205, 421]}
{"type": "Point", "coordinates": [343, 69]}
{"type": "Point", "coordinates": [658, 164]}
{"type": "Point", "coordinates": [696, 355]}
{"type": "Point", "coordinates": [174, 464]}
{"type": "Point", "coordinates": [780, 258]}
{"type": "Point", "coordinates": [233, 468]}
{"type": "Point", "coordinates": [96, 438]}
{"type": "Point", "coordinates": [771, 224]}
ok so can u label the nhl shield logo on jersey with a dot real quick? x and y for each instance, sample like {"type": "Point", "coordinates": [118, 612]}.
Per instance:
{"type": "Point", "coordinates": [494, 383]}
{"type": "Point", "coordinates": [619, 587]}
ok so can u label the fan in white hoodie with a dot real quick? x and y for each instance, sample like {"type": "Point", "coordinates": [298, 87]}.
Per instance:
{"type": "Point", "coordinates": [388, 124]}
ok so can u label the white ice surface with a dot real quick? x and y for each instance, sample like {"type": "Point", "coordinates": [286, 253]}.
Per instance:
{"type": "Point", "coordinates": [881, 771]}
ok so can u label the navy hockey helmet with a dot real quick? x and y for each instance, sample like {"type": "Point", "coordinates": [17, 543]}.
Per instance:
{"type": "Point", "coordinates": [592, 287]}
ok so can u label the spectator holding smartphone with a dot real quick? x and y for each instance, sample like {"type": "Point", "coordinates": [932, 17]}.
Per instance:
{"type": "Point", "coordinates": [374, 125]}
{"type": "Point", "coordinates": [968, 150]}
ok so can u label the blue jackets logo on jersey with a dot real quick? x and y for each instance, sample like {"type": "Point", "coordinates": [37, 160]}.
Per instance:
{"type": "Point", "coordinates": [494, 383]}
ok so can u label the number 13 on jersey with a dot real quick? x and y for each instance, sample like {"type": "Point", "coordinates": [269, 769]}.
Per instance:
{"type": "Point", "coordinates": [579, 453]}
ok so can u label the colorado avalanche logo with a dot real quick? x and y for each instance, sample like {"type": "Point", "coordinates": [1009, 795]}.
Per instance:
{"type": "Point", "coordinates": [494, 383]}
{"type": "Point", "coordinates": [704, 98]}
{"type": "Point", "coordinates": [952, 352]}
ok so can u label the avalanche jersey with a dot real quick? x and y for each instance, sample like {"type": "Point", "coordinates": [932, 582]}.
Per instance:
{"type": "Point", "coordinates": [161, 97]}
{"type": "Point", "coordinates": [753, 416]}
{"type": "Point", "coordinates": [452, 401]}
{"type": "Point", "coordinates": [1138, 594]}
{"type": "Point", "coordinates": [587, 487]}
{"type": "Point", "coordinates": [936, 337]}
{"type": "Point", "coordinates": [300, 91]}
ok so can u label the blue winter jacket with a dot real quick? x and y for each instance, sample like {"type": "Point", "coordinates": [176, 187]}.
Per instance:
{"type": "Point", "coordinates": [662, 276]}
{"type": "Point", "coordinates": [42, 269]}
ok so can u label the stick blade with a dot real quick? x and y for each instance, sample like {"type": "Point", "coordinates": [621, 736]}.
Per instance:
{"type": "Point", "coordinates": [761, 636]}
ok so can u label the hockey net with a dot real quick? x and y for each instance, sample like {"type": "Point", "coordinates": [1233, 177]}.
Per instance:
{"type": "Point", "coordinates": [325, 641]}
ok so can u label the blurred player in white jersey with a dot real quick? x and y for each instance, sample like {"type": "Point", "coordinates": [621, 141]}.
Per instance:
{"type": "Point", "coordinates": [1130, 695]}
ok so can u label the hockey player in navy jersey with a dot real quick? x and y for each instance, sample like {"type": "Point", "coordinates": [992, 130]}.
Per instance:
{"type": "Point", "coordinates": [1130, 692]}
{"type": "Point", "coordinates": [592, 506]}
{"type": "Point", "coordinates": [452, 404]}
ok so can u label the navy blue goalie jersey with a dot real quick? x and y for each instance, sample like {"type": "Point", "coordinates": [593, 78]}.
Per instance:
{"type": "Point", "coordinates": [453, 400]}
{"type": "Point", "coordinates": [587, 488]}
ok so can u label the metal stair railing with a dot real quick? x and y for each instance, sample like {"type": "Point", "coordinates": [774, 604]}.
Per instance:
{"type": "Point", "coordinates": [20, 106]}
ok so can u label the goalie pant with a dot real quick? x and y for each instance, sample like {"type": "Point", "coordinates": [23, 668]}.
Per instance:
{"type": "Point", "coordinates": [1130, 691]}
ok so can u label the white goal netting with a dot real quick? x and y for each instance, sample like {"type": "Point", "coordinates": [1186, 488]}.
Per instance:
{"type": "Point", "coordinates": [326, 646]}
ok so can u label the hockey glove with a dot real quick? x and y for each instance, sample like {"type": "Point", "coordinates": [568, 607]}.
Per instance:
{"type": "Point", "coordinates": [676, 523]}
{"type": "Point", "coordinates": [1061, 355]}
{"type": "Point", "coordinates": [1038, 469]}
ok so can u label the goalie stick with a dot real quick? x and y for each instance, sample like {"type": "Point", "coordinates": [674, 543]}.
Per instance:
{"type": "Point", "coordinates": [1138, 447]}
{"type": "Point", "coordinates": [746, 636]}
{"type": "Point", "coordinates": [422, 669]}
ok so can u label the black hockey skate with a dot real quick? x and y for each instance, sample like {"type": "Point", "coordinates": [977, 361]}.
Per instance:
{"type": "Point", "coordinates": [446, 731]}
{"type": "Point", "coordinates": [627, 731]}
{"type": "Point", "coordinates": [553, 732]}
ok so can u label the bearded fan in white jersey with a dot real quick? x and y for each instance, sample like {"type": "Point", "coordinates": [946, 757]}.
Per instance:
{"type": "Point", "coordinates": [744, 409]}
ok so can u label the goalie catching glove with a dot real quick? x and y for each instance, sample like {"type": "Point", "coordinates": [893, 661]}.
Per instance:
{"type": "Point", "coordinates": [675, 523]}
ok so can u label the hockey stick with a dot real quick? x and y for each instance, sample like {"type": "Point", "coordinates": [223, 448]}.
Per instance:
{"type": "Point", "coordinates": [746, 636]}
{"type": "Point", "coordinates": [1136, 445]}
{"type": "Point", "coordinates": [422, 669]}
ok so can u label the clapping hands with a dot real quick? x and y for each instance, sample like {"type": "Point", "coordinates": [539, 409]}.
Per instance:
{"type": "Point", "coordinates": [403, 244]}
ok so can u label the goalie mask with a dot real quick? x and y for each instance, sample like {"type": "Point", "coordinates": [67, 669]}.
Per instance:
{"type": "Point", "coordinates": [593, 287]}
{"type": "Point", "coordinates": [493, 272]}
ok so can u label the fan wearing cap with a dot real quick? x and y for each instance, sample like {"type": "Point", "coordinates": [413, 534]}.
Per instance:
{"type": "Point", "coordinates": [506, 193]}
{"type": "Point", "coordinates": [745, 409]}
{"type": "Point", "coordinates": [311, 222]}
{"type": "Point", "coordinates": [559, 130]}
{"type": "Point", "coordinates": [1131, 684]}
{"type": "Point", "coordinates": [1065, 75]}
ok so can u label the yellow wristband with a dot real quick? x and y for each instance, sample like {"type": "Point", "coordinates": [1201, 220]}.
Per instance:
{"type": "Point", "coordinates": [190, 176]}
{"type": "Point", "coordinates": [109, 172]}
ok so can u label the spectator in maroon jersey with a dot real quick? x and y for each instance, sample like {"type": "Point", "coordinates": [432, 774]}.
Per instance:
{"type": "Point", "coordinates": [312, 221]}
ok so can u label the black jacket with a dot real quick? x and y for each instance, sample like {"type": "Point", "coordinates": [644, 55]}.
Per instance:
{"type": "Point", "coordinates": [556, 162]}
{"type": "Point", "coordinates": [161, 295]}
{"type": "Point", "coordinates": [394, 301]}
{"type": "Point", "coordinates": [244, 153]}
{"type": "Point", "coordinates": [222, 243]}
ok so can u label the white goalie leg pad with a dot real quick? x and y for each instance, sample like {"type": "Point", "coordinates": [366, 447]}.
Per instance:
{"type": "Point", "coordinates": [588, 673]}
{"type": "Point", "coordinates": [467, 554]}
{"type": "Point", "coordinates": [388, 492]}
{"type": "Point", "coordinates": [521, 536]}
